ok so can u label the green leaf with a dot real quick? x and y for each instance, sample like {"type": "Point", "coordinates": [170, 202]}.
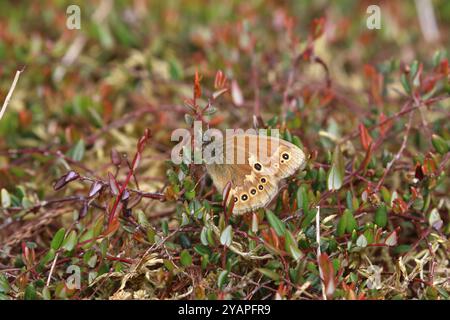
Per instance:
{"type": "Point", "coordinates": [386, 194]}
{"type": "Point", "coordinates": [87, 237]}
{"type": "Point", "coordinates": [103, 33]}
{"type": "Point", "coordinates": [226, 236]}
{"type": "Point", "coordinates": [71, 241]}
{"type": "Point", "coordinates": [165, 227]}
{"type": "Point", "coordinates": [347, 223]}
{"type": "Point", "coordinates": [6, 198]}
{"type": "Point", "coordinates": [30, 292]}
{"type": "Point", "coordinates": [77, 152]}
{"type": "Point", "coordinates": [361, 241]}
{"type": "Point", "coordinates": [185, 258]}
{"type": "Point", "coordinates": [292, 246]}
{"type": "Point", "coordinates": [151, 235]}
{"type": "Point", "coordinates": [46, 294]}
{"type": "Point", "coordinates": [202, 250]}
{"type": "Point", "coordinates": [351, 221]}
{"type": "Point", "coordinates": [142, 219]}
{"type": "Point", "coordinates": [435, 220]}
{"type": "Point", "coordinates": [381, 216]}
{"type": "Point", "coordinates": [405, 83]}
{"type": "Point", "coordinates": [439, 144]}
{"type": "Point", "coordinates": [403, 248]}
{"type": "Point", "coordinates": [203, 236]}
{"type": "Point", "coordinates": [189, 195]}
{"type": "Point", "coordinates": [302, 198]}
{"type": "Point", "coordinates": [4, 284]}
{"type": "Point", "coordinates": [48, 257]}
{"type": "Point", "coordinates": [336, 173]}
{"type": "Point", "coordinates": [189, 119]}
{"type": "Point", "coordinates": [204, 261]}
{"type": "Point", "coordinates": [223, 277]}
{"type": "Point", "coordinates": [125, 35]}
{"type": "Point", "coordinates": [269, 273]}
{"type": "Point", "coordinates": [349, 200]}
{"type": "Point", "coordinates": [169, 265]}
{"type": "Point", "coordinates": [175, 69]}
{"type": "Point", "coordinates": [276, 223]}
{"type": "Point", "coordinates": [342, 224]}
{"type": "Point", "coordinates": [413, 68]}
{"type": "Point", "coordinates": [309, 217]}
{"type": "Point", "coordinates": [210, 237]}
{"type": "Point", "coordinates": [58, 239]}
{"type": "Point", "coordinates": [437, 57]}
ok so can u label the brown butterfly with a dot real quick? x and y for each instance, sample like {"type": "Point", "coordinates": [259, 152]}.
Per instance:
{"type": "Point", "coordinates": [254, 165]}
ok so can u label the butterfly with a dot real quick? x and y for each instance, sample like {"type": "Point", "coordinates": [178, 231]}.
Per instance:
{"type": "Point", "coordinates": [254, 165]}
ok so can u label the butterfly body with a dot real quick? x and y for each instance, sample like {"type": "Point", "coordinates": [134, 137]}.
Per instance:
{"type": "Point", "coordinates": [254, 165]}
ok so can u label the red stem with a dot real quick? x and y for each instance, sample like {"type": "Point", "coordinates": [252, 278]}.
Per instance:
{"type": "Point", "coordinates": [137, 155]}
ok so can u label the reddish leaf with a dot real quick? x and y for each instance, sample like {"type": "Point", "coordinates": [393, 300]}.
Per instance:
{"type": "Point", "coordinates": [385, 124]}
{"type": "Point", "coordinates": [429, 82]}
{"type": "Point", "coordinates": [369, 71]}
{"type": "Point", "coordinates": [197, 88]}
{"type": "Point", "coordinates": [419, 172]}
{"type": "Point", "coordinates": [399, 206]}
{"type": "Point", "coordinates": [366, 139]}
{"type": "Point", "coordinates": [443, 67]}
{"type": "Point", "coordinates": [307, 54]}
{"type": "Point", "coordinates": [429, 165]}
{"type": "Point", "coordinates": [226, 192]}
{"type": "Point", "coordinates": [327, 97]}
{"type": "Point", "coordinates": [265, 235]}
{"type": "Point", "coordinates": [275, 240]}
{"type": "Point", "coordinates": [283, 290]}
{"type": "Point", "coordinates": [327, 273]}
{"type": "Point", "coordinates": [318, 27]}
{"type": "Point", "coordinates": [220, 80]}
{"type": "Point", "coordinates": [25, 118]}
{"type": "Point", "coordinates": [112, 227]}
{"type": "Point", "coordinates": [376, 81]}
{"type": "Point", "coordinates": [349, 291]}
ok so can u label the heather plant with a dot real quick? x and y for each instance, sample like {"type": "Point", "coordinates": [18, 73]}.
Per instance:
{"type": "Point", "coordinates": [93, 207]}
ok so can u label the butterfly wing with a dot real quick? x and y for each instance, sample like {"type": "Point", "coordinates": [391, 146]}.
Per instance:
{"type": "Point", "coordinates": [254, 165]}
{"type": "Point", "coordinates": [249, 190]}
{"type": "Point", "coordinates": [288, 159]}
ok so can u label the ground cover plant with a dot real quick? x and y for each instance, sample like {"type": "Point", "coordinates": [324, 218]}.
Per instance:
{"type": "Point", "coordinates": [93, 208]}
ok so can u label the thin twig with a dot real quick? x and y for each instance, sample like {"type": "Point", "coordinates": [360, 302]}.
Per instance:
{"type": "Point", "coordinates": [10, 92]}
{"type": "Point", "coordinates": [319, 251]}
{"type": "Point", "coordinates": [140, 146]}
{"type": "Point", "coordinates": [51, 269]}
